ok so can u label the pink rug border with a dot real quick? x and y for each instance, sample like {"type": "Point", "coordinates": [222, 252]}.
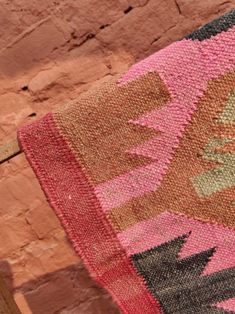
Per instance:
{"type": "Point", "coordinates": [46, 164]}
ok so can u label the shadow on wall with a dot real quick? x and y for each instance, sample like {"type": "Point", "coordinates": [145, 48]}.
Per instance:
{"type": "Point", "coordinates": [66, 291]}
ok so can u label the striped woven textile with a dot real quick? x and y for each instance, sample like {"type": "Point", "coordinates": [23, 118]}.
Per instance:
{"type": "Point", "coordinates": [141, 173]}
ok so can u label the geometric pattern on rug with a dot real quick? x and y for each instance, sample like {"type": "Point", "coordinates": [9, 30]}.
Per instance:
{"type": "Point", "coordinates": [173, 269]}
{"type": "Point", "coordinates": [186, 88]}
{"type": "Point", "coordinates": [161, 138]}
{"type": "Point", "coordinates": [175, 282]}
{"type": "Point", "coordinates": [199, 153]}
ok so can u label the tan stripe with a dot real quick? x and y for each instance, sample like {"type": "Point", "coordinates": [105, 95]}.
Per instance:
{"type": "Point", "coordinates": [9, 150]}
{"type": "Point", "coordinates": [176, 192]}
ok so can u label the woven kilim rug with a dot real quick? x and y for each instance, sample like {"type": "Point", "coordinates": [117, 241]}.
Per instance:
{"type": "Point", "coordinates": [141, 173]}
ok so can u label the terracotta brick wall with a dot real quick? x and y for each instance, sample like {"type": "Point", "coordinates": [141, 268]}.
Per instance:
{"type": "Point", "coordinates": [50, 52]}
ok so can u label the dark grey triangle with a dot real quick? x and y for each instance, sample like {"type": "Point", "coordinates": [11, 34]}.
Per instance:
{"type": "Point", "coordinates": [179, 284]}
{"type": "Point", "coordinates": [203, 310]}
{"type": "Point", "coordinates": [204, 291]}
{"type": "Point", "coordinates": [157, 265]}
{"type": "Point", "coordinates": [161, 267]}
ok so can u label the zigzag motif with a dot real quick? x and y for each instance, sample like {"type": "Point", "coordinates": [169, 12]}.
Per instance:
{"type": "Point", "coordinates": [170, 121]}
{"type": "Point", "coordinates": [186, 81]}
{"type": "Point", "coordinates": [175, 282]}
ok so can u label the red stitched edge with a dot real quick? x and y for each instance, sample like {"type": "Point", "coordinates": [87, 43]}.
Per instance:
{"type": "Point", "coordinates": [73, 200]}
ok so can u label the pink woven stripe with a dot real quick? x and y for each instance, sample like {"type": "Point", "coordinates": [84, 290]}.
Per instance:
{"type": "Point", "coordinates": [168, 226]}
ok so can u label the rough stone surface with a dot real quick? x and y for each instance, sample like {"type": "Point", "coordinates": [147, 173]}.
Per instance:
{"type": "Point", "coordinates": [50, 52]}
